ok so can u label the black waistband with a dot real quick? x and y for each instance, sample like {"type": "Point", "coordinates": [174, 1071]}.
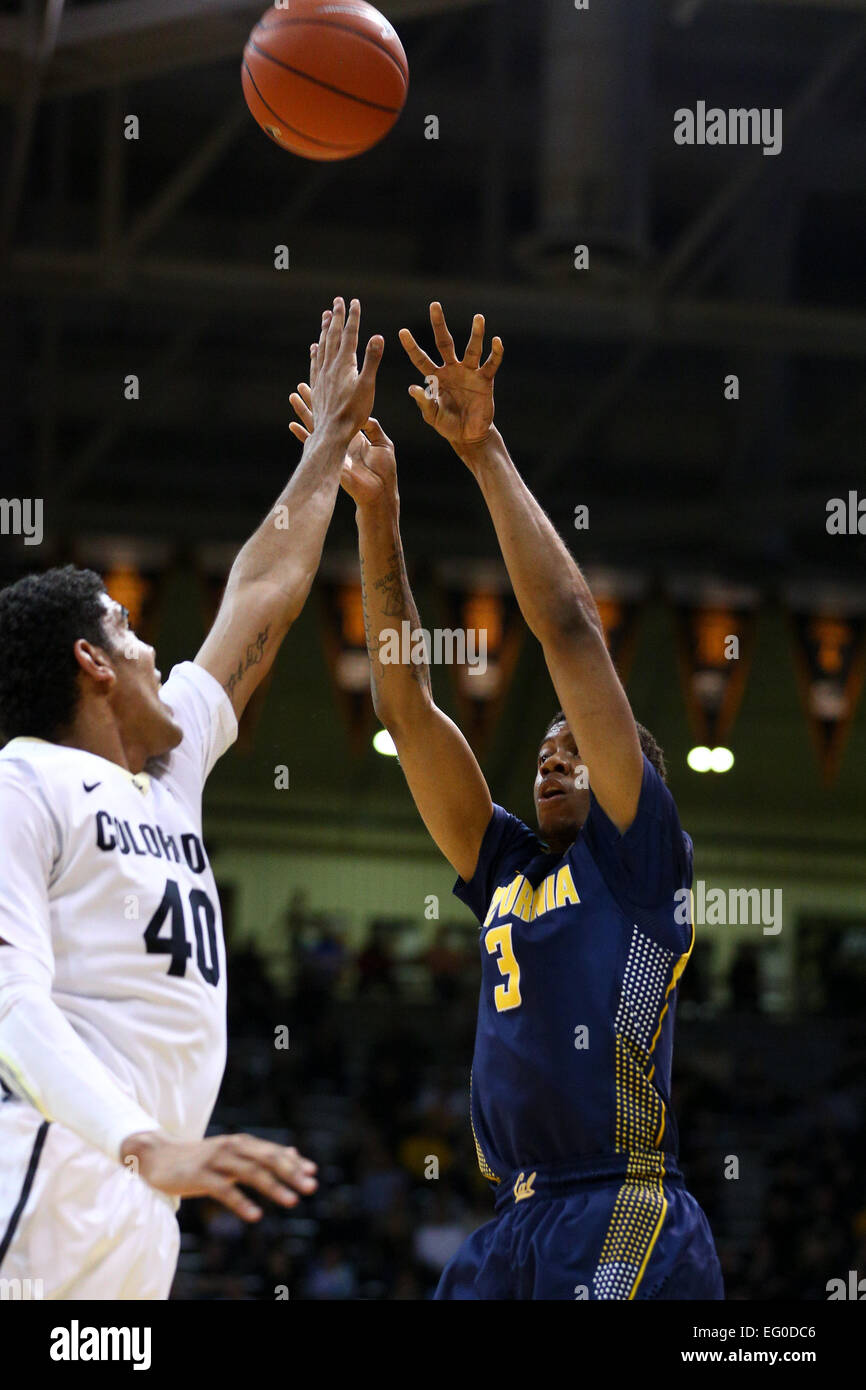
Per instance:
{"type": "Point", "coordinates": [558, 1179]}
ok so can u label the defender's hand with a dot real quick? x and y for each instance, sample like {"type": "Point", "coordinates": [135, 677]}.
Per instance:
{"type": "Point", "coordinates": [341, 395]}
{"type": "Point", "coordinates": [215, 1167]}
{"type": "Point", "coordinates": [458, 399]}
{"type": "Point", "coordinates": [370, 468]}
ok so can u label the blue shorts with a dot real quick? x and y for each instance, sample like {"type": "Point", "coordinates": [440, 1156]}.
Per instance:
{"type": "Point", "coordinates": [580, 1234]}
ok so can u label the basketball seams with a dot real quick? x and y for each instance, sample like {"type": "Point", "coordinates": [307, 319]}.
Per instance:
{"type": "Point", "coordinates": [331, 54]}
{"type": "Point", "coordinates": [348, 150]}
{"type": "Point", "coordinates": [283, 22]}
{"type": "Point", "coordinates": [318, 82]}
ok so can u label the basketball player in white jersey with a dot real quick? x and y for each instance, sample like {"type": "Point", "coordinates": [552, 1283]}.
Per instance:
{"type": "Point", "coordinates": [112, 962]}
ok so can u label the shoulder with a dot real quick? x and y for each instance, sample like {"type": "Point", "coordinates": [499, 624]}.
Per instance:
{"type": "Point", "coordinates": [508, 840]}
{"type": "Point", "coordinates": [30, 771]}
{"type": "Point", "coordinates": [52, 770]}
{"type": "Point", "coordinates": [202, 709]}
{"type": "Point", "coordinates": [192, 689]}
{"type": "Point", "coordinates": [649, 867]}
{"type": "Point", "coordinates": [33, 799]}
{"type": "Point", "coordinates": [656, 810]}
{"type": "Point", "coordinates": [508, 845]}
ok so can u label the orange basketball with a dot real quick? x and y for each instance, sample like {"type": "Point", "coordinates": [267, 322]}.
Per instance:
{"type": "Point", "coordinates": [325, 79]}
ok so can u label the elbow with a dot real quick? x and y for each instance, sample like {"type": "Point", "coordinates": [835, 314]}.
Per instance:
{"type": "Point", "coordinates": [383, 707]}
{"type": "Point", "coordinates": [389, 715]}
{"type": "Point", "coordinates": [398, 715]}
{"type": "Point", "coordinates": [571, 622]}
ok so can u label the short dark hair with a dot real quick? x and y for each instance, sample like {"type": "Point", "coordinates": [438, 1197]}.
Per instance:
{"type": "Point", "coordinates": [647, 743]}
{"type": "Point", "coordinates": [42, 616]}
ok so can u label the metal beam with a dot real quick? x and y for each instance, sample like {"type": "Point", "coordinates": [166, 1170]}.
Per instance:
{"type": "Point", "coordinates": [758, 167]}
{"type": "Point", "coordinates": [530, 312]}
{"type": "Point", "coordinates": [184, 180]}
{"type": "Point", "coordinates": [87, 24]}
{"type": "Point", "coordinates": [107, 435]}
{"type": "Point", "coordinates": [694, 239]}
{"type": "Point", "coordinates": [134, 40]}
{"type": "Point", "coordinates": [494, 191]}
{"type": "Point", "coordinates": [828, 6]}
{"type": "Point", "coordinates": [111, 181]}
{"type": "Point", "coordinates": [46, 428]}
{"type": "Point", "coordinates": [90, 23]}
{"type": "Point", "coordinates": [37, 61]}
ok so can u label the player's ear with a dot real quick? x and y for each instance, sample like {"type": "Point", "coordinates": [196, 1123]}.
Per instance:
{"type": "Point", "coordinates": [95, 663]}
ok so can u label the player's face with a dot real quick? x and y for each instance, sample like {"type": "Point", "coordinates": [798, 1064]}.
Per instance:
{"type": "Point", "coordinates": [146, 723]}
{"type": "Point", "coordinates": [561, 787]}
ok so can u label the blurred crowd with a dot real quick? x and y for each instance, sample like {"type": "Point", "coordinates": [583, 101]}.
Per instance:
{"type": "Point", "coordinates": [363, 1063]}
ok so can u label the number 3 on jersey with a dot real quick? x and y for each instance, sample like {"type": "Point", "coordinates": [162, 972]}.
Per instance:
{"type": "Point", "coordinates": [498, 942]}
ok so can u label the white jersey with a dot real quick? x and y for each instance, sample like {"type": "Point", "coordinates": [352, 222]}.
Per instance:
{"type": "Point", "coordinates": [104, 878]}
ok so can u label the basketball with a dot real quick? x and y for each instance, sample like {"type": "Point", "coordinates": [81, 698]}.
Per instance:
{"type": "Point", "coordinates": [325, 81]}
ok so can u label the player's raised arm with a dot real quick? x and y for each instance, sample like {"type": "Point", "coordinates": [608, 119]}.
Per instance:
{"type": "Point", "coordinates": [554, 597]}
{"type": "Point", "coordinates": [443, 775]}
{"type": "Point", "coordinates": [271, 577]}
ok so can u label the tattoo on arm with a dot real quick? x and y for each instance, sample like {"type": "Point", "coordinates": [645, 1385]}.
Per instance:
{"type": "Point", "coordinates": [377, 670]}
{"type": "Point", "coordinates": [254, 655]}
{"type": "Point", "coordinates": [393, 587]}
{"type": "Point", "coordinates": [397, 602]}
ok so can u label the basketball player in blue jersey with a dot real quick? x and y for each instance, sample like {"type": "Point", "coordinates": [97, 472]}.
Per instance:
{"type": "Point", "coordinates": [583, 934]}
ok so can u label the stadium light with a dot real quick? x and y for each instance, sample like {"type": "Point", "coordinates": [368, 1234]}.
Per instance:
{"type": "Point", "coordinates": [384, 744]}
{"type": "Point", "coordinates": [700, 759]}
{"type": "Point", "coordinates": [722, 760]}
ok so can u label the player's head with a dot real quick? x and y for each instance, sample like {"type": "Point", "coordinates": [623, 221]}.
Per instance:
{"type": "Point", "coordinates": [562, 780]}
{"type": "Point", "coordinates": [71, 662]}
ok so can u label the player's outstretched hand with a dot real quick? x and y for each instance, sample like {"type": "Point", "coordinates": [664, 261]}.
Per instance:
{"type": "Point", "coordinates": [458, 398]}
{"type": "Point", "coordinates": [370, 469]}
{"type": "Point", "coordinates": [216, 1167]}
{"type": "Point", "coordinates": [341, 395]}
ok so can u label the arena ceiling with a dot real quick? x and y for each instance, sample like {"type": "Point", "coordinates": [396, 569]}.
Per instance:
{"type": "Point", "coordinates": [155, 257]}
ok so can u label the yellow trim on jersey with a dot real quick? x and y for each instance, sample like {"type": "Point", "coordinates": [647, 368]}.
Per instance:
{"type": "Point", "coordinates": [663, 1122]}
{"type": "Point", "coordinates": [675, 979]}
{"type": "Point", "coordinates": [484, 1167]}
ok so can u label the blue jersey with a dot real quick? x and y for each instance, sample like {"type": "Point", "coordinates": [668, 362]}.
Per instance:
{"type": "Point", "coordinates": [581, 954]}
